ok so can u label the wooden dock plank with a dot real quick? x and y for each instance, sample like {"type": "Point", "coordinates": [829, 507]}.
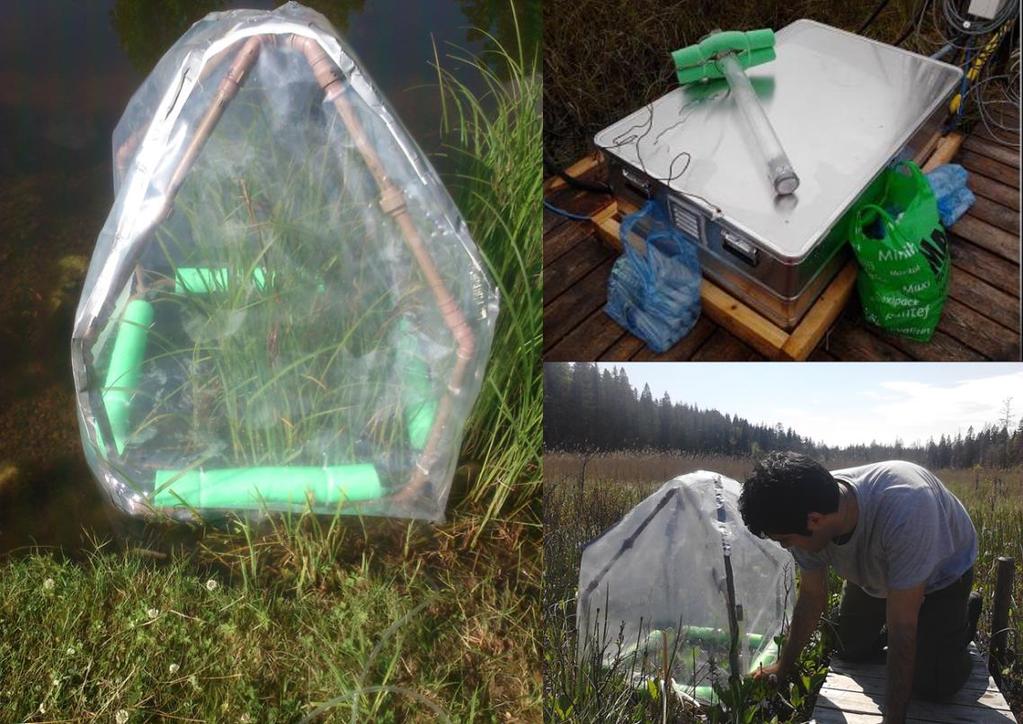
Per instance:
{"type": "Point", "coordinates": [990, 267]}
{"type": "Point", "coordinates": [984, 298]}
{"type": "Point", "coordinates": [977, 332]}
{"type": "Point", "coordinates": [589, 341]}
{"type": "Point", "coordinates": [684, 348]}
{"type": "Point", "coordinates": [989, 167]}
{"type": "Point", "coordinates": [570, 268]}
{"type": "Point", "coordinates": [580, 301]}
{"type": "Point", "coordinates": [723, 346]}
{"type": "Point", "coordinates": [855, 694]}
{"type": "Point", "coordinates": [983, 187]}
{"type": "Point", "coordinates": [987, 237]}
{"type": "Point", "coordinates": [998, 215]}
{"type": "Point", "coordinates": [850, 340]}
{"type": "Point", "coordinates": [985, 147]}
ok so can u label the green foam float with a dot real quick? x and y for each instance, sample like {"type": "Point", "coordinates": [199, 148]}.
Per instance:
{"type": "Point", "coordinates": [199, 280]}
{"type": "Point", "coordinates": [233, 488]}
{"type": "Point", "coordinates": [697, 62]}
{"type": "Point", "coordinates": [124, 369]}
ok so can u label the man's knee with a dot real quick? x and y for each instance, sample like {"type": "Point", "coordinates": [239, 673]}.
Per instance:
{"type": "Point", "coordinates": [858, 648]}
{"type": "Point", "coordinates": [942, 680]}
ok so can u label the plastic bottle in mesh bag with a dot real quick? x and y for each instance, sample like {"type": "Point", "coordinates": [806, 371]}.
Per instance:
{"type": "Point", "coordinates": [655, 294]}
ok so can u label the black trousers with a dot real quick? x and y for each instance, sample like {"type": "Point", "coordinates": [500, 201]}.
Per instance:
{"type": "Point", "coordinates": [942, 659]}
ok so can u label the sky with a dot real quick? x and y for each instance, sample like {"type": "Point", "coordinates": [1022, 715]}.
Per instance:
{"type": "Point", "coordinates": [848, 403]}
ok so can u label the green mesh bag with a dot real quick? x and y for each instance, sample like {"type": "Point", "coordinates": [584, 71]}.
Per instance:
{"type": "Point", "coordinates": [903, 254]}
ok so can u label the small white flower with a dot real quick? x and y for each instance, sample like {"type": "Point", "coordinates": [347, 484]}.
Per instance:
{"type": "Point", "coordinates": [153, 613]}
{"type": "Point", "coordinates": [42, 708]}
{"type": "Point", "coordinates": [246, 719]}
{"type": "Point", "coordinates": [173, 668]}
{"type": "Point", "coordinates": [70, 650]}
{"type": "Point", "coordinates": [48, 584]}
{"type": "Point", "coordinates": [121, 717]}
{"type": "Point", "coordinates": [212, 585]}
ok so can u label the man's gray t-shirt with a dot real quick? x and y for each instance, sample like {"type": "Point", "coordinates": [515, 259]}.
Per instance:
{"type": "Point", "coordinates": [910, 530]}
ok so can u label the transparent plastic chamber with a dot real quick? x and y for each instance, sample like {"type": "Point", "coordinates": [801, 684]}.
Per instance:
{"type": "Point", "coordinates": [655, 584]}
{"type": "Point", "coordinates": [284, 305]}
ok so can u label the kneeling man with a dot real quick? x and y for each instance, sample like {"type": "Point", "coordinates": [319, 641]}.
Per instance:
{"type": "Point", "coordinates": [905, 546]}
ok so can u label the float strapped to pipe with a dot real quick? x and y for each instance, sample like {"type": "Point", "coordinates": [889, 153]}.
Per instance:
{"type": "Point", "coordinates": [249, 487]}
{"type": "Point", "coordinates": [124, 369]}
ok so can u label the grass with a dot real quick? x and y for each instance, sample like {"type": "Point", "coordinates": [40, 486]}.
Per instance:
{"type": "Point", "coordinates": [274, 624]}
{"type": "Point", "coordinates": [499, 140]}
{"type": "Point", "coordinates": [604, 60]}
{"type": "Point", "coordinates": [579, 506]}
{"type": "Point", "coordinates": [354, 618]}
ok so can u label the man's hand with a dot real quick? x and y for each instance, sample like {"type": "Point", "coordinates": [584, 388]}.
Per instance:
{"type": "Point", "coordinates": [773, 673]}
{"type": "Point", "coordinates": [903, 609]}
{"type": "Point", "coordinates": [810, 603]}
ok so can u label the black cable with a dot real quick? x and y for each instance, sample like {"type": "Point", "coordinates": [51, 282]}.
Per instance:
{"type": "Point", "coordinates": [877, 11]}
{"type": "Point", "coordinates": [553, 168]}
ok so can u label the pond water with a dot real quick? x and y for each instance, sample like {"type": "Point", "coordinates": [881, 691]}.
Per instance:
{"type": "Point", "coordinates": [67, 70]}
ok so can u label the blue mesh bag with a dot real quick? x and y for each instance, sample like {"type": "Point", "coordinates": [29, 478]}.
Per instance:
{"type": "Point", "coordinates": [655, 294]}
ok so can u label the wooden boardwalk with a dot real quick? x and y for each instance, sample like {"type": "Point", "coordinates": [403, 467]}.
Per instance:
{"type": "Point", "coordinates": [854, 694]}
{"type": "Point", "coordinates": [981, 319]}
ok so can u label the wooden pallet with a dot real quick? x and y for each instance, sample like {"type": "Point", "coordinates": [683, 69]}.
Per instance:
{"type": "Point", "coordinates": [854, 694]}
{"type": "Point", "coordinates": [742, 321]}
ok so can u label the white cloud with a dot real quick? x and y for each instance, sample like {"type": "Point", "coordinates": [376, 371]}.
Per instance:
{"type": "Point", "coordinates": [924, 410]}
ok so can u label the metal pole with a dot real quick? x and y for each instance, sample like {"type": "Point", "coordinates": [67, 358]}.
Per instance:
{"type": "Point", "coordinates": [1000, 616]}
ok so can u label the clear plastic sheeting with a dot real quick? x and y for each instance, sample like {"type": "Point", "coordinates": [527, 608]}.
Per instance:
{"type": "Point", "coordinates": [655, 584]}
{"type": "Point", "coordinates": [284, 306]}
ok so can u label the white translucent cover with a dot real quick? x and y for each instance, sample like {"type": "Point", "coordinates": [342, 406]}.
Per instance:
{"type": "Point", "coordinates": [284, 305]}
{"type": "Point", "coordinates": [660, 574]}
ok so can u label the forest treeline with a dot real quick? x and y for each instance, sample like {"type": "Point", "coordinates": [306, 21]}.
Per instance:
{"type": "Point", "coordinates": [588, 408]}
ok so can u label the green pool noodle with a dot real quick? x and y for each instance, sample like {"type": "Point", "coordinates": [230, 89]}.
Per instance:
{"type": "Point", "coordinates": [766, 657]}
{"type": "Point", "coordinates": [125, 368]}
{"type": "Point", "coordinates": [199, 280]}
{"type": "Point", "coordinates": [420, 406]}
{"type": "Point", "coordinates": [718, 636]}
{"type": "Point", "coordinates": [696, 62]}
{"type": "Point", "coordinates": [249, 487]}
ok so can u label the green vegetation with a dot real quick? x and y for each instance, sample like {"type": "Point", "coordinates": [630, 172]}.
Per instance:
{"type": "Point", "coordinates": [394, 623]}
{"type": "Point", "coordinates": [499, 191]}
{"type": "Point", "coordinates": [582, 501]}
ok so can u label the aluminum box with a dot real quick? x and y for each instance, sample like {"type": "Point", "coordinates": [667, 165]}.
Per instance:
{"type": "Point", "coordinates": [843, 106]}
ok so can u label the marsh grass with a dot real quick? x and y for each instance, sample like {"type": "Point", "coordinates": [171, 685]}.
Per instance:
{"type": "Point", "coordinates": [579, 506]}
{"type": "Point", "coordinates": [498, 145]}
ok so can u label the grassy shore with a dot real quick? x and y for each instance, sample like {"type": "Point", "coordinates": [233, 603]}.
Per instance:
{"type": "Point", "coordinates": [307, 617]}
{"type": "Point", "coordinates": [579, 507]}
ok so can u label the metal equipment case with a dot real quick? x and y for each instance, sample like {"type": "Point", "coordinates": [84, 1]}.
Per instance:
{"type": "Point", "coordinates": [843, 106]}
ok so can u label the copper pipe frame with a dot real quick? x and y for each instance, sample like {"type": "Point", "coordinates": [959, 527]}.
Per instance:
{"type": "Point", "coordinates": [392, 202]}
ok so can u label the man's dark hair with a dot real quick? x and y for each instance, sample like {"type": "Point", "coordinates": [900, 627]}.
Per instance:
{"type": "Point", "coordinates": [782, 490]}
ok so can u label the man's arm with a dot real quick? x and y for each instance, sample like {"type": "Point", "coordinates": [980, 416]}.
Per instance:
{"type": "Point", "coordinates": [902, 611]}
{"type": "Point", "coordinates": [810, 603]}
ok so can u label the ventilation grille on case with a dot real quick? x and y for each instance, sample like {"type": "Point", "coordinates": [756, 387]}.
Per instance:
{"type": "Point", "coordinates": [685, 220]}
